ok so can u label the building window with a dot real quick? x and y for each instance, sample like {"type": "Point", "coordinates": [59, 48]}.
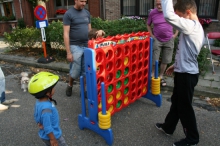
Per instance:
{"type": "Point", "coordinates": [207, 8]}
{"type": "Point", "coordinates": [7, 8]}
{"type": "Point", "coordinates": [0, 11]}
{"type": "Point", "coordinates": [66, 4]}
{"type": "Point", "coordinates": [136, 7]}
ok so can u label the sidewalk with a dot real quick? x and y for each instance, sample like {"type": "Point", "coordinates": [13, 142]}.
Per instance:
{"type": "Point", "coordinates": [209, 85]}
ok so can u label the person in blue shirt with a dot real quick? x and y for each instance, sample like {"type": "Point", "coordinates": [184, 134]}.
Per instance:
{"type": "Point", "coordinates": [46, 115]}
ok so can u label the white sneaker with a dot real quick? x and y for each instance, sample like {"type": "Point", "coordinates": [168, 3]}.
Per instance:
{"type": "Point", "coordinates": [7, 102]}
{"type": "Point", "coordinates": [3, 107]}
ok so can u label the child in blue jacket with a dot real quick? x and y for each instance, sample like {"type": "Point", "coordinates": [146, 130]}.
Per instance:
{"type": "Point", "coordinates": [46, 115]}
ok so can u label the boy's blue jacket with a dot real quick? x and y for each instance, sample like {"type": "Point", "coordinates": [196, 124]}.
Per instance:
{"type": "Point", "coordinates": [47, 115]}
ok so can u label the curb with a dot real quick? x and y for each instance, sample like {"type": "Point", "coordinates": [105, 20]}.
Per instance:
{"type": "Point", "coordinates": [64, 67]}
{"type": "Point", "coordinates": [198, 91]}
{"type": "Point", "coordinates": [30, 61]}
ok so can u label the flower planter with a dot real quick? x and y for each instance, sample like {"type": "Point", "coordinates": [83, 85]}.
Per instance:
{"type": "Point", "coordinates": [59, 16]}
{"type": "Point", "coordinates": [60, 13]}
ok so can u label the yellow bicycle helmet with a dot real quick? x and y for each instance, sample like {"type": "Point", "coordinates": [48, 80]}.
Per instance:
{"type": "Point", "coordinates": [41, 83]}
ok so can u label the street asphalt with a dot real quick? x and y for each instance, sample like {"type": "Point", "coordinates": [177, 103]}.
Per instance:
{"type": "Point", "coordinates": [132, 126]}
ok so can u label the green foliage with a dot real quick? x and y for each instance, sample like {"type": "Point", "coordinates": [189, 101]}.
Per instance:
{"type": "Point", "coordinates": [33, 2]}
{"type": "Point", "coordinates": [26, 37]}
{"type": "Point", "coordinates": [216, 43]}
{"type": "Point", "coordinates": [203, 61]}
{"type": "Point", "coordinates": [5, 18]}
{"type": "Point", "coordinates": [19, 37]}
{"type": "Point", "coordinates": [121, 26]}
{"type": "Point", "coordinates": [54, 37]}
{"type": "Point", "coordinates": [22, 36]}
{"type": "Point", "coordinates": [54, 32]}
{"type": "Point", "coordinates": [21, 23]}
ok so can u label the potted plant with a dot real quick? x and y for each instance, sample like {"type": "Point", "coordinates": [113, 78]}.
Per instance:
{"type": "Point", "coordinates": [205, 22]}
{"type": "Point", "coordinates": [60, 13]}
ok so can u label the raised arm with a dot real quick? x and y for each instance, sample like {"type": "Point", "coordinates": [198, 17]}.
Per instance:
{"type": "Point", "coordinates": [183, 25]}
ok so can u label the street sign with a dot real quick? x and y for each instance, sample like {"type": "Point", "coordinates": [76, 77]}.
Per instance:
{"type": "Point", "coordinates": [41, 23]}
{"type": "Point", "coordinates": [40, 12]}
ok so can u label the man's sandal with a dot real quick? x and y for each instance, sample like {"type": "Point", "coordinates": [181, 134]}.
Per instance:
{"type": "Point", "coordinates": [163, 82]}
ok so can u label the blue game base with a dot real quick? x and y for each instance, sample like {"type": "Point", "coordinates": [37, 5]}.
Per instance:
{"type": "Point", "coordinates": [107, 134]}
{"type": "Point", "coordinates": [157, 99]}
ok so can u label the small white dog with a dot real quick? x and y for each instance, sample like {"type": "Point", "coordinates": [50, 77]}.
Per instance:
{"type": "Point", "coordinates": [24, 81]}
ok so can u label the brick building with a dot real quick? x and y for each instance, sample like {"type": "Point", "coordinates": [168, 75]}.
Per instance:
{"type": "Point", "coordinates": [106, 9]}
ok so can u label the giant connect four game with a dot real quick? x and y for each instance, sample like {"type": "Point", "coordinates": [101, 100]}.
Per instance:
{"type": "Point", "coordinates": [118, 72]}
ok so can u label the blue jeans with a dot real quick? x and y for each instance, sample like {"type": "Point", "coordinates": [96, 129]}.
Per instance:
{"type": "Point", "coordinates": [2, 86]}
{"type": "Point", "coordinates": [77, 67]}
